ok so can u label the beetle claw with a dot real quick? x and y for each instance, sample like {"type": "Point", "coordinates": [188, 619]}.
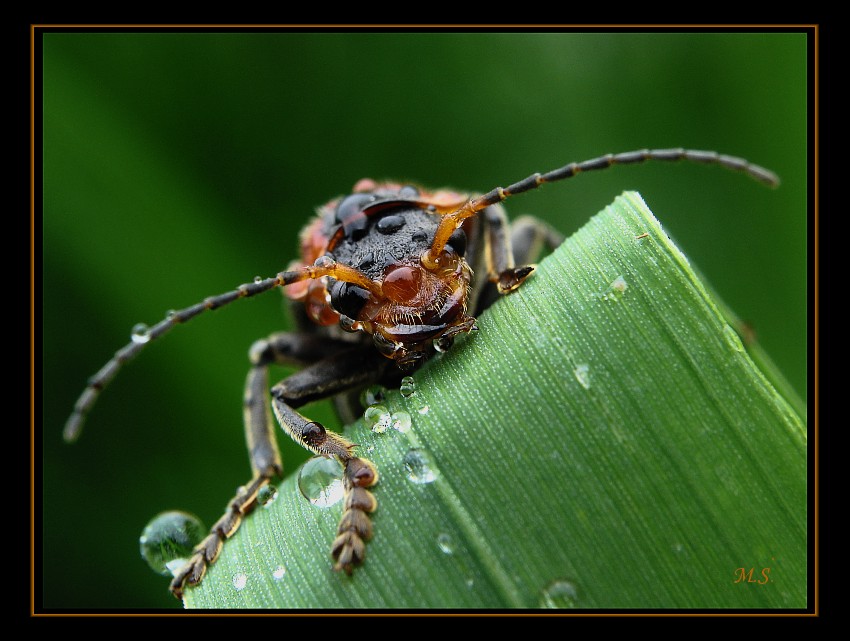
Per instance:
{"type": "Point", "coordinates": [512, 278]}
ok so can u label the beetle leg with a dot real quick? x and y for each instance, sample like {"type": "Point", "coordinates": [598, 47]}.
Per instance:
{"type": "Point", "coordinates": [282, 348]}
{"type": "Point", "coordinates": [355, 528]}
{"type": "Point", "coordinates": [335, 374]}
{"type": "Point", "coordinates": [288, 348]}
{"type": "Point", "coordinates": [499, 252]}
{"type": "Point", "coordinates": [265, 464]}
{"type": "Point", "coordinates": [207, 551]}
{"type": "Point", "coordinates": [530, 237]}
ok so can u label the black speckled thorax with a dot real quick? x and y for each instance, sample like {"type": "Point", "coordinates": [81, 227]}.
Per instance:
{"type": "Point", "coordinates": [372, 233]}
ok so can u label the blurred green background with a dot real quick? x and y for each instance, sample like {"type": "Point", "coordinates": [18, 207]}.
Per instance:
{"type": "Point", "coordinates": [180, 164]}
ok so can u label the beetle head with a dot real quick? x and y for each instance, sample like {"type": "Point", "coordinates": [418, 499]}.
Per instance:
{"type": "Point", "coordinates": [421, 306]}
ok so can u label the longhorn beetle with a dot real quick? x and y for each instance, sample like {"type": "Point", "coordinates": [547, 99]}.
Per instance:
{"type": "Point", "coordinates": [387, 276]}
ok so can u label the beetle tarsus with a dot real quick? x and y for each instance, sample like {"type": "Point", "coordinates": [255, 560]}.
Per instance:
{"type": "Point", "coordinates": [355, 526]}
{"type": "Point", "coordinates": [511, 279]}
{"type": "Point", "coordinates": [206, 552]}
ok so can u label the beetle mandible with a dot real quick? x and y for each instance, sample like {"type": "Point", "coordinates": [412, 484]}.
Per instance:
{"type": "Point", "coordinates": [385, 279]}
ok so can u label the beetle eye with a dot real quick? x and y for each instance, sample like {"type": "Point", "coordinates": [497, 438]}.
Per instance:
{"type": "Point", "coordinates": [457, 241]}
{"type": "Point", "coordinates": [348, 299]}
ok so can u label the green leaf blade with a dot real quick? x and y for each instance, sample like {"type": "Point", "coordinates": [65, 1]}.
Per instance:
{"type": "Point", "coordinates": [605, 432]}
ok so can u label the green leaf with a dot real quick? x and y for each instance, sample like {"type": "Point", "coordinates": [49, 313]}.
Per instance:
{"type": "Point", "coordinates": [604, 441]}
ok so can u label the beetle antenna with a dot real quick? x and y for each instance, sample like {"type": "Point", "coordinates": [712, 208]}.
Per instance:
{"type": "Point", "coordinates": [452, 220]}
{"type": "Point", "coordinates": [142, 335]}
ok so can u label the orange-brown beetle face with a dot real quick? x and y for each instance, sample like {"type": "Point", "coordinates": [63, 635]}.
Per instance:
{"type": "Point", "coordinates": [407, 300]}
{"type": "Point", "coordinates": [421, 306]}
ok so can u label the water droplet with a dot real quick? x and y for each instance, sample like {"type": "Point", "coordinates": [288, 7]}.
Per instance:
{"type": "Point", "coordinates": [267, 495]}
{"type": "Point", "coordinates": [400, 421]}
{"type": "Point", "coordinates": [171, 313]}
{"type": "Point", "coordinates": [258, 279]}
{"type": "Point", "coordinates": [320, 481]}
{"type": "Point", "coordinates": [677, 547]}
{"type": "Point", "coordinates": [174, 566]}
{"type": "Point", "coordinates": [378, 418]}
{"type": "Point", "coordinates": [415, 400]}
{"type": "Point", "coordinates": [240, 580]}
{"type": "Point", "coordinates": [445, 543]}
{"type": "Point", "coordinates": [582, 374]}
{"type": "Point", "coordinates": [140, 333]}
{"type": "Point", "coordinates": [559, 595]}
{"type": "Point", "coordinates": [278, 573]}
{"type": "Point", "coordinates": [732, 338]}
{"type": "Point", "coordinates": [408, 387]}
{"type": "Point", "coordinates": [419, 466]}
{"type": "Point", "coordinates": [373, 395]}
{"type": "Point", "coordinates": [443, 344]}
{"type": "Point", "coordinates": [615, 290]}
{"type": "Point", "coordinates": [168, 539]}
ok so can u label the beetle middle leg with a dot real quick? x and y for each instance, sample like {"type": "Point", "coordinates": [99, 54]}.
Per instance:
{"type": "Point", "coordinates": [530, 237]}
{"type": "Point", "coordinates": [335, 367]}
{"type": "Point", "coordinates": [510, 250]}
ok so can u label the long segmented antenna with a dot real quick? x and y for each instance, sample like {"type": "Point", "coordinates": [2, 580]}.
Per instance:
{"type": "Point", "coordinates": [324, 266]}
{"type": "Point", "coordinates": [452, 220]}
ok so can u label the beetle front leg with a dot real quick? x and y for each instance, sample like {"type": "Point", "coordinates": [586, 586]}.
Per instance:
{"type": "Point", "coordinates": [265, 463]}
{"type": "Point", "coordinates": [331, 376]}
{"type": "Point", "coordinates": [355, 527]}
{"type": "Point", "coordinates": [207, 551]}
{"type": "Point", "coordinates": [281, 348]}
